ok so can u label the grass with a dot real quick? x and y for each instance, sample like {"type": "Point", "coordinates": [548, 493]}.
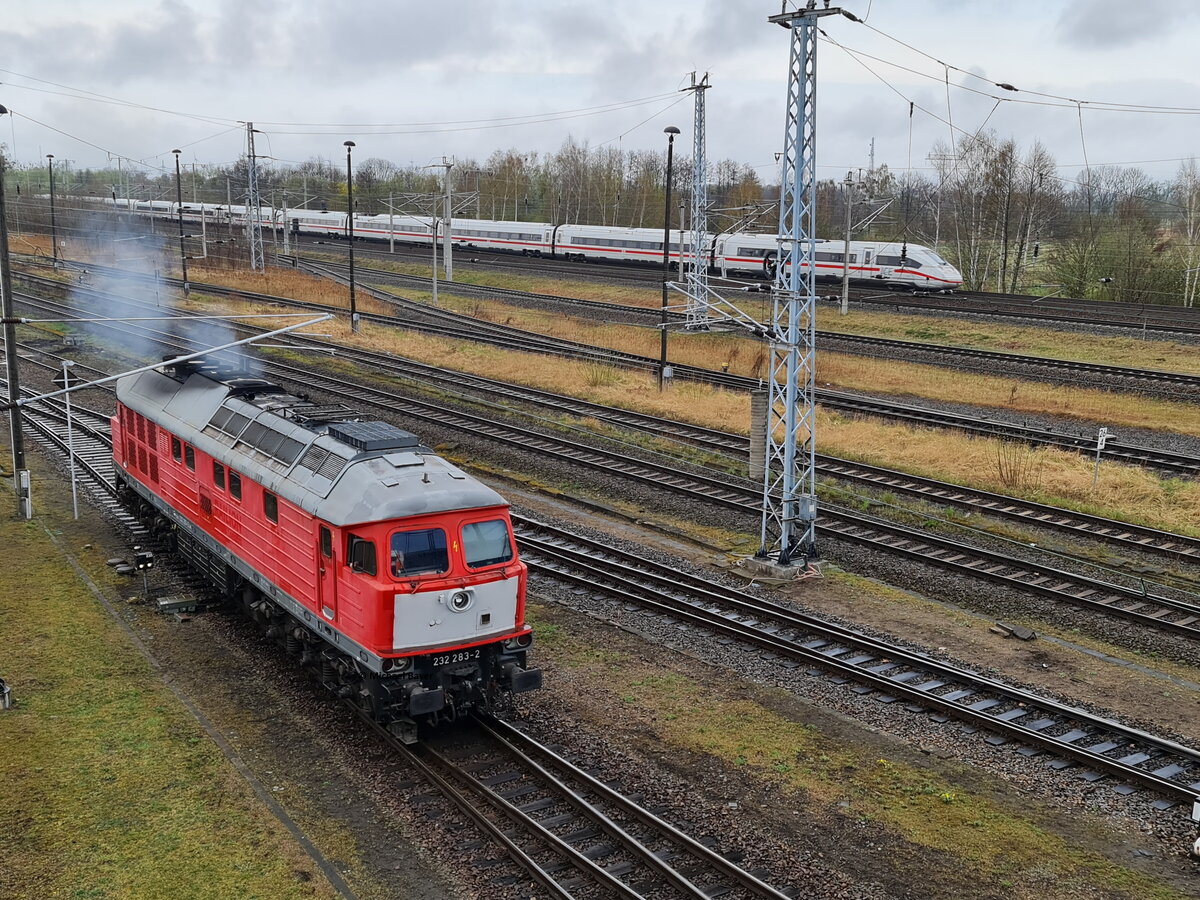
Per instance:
{"type": "Point", "coordinates": [849, 372]}
{"type": "Point", "coordinates": [1047, 475]}
{"type": "Point", "coordinates": [108, 786]}
{"type": "Point", "coordinates": [1034, 341]}
{"type": "Point", "coordinates": [740, 727]}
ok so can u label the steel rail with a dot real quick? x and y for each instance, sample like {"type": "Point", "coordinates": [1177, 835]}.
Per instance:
{"type": "Point", "coordinates": [889, 668]}
{"type": "Point", "coordinates": [454, 325]}
{"type": "Point", "coordinates": [596, 563]}
{"type": "Point", "coordinates": [909, 542]}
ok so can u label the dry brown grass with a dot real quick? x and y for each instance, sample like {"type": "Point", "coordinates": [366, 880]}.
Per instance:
{"type": "Point", "coordinates": [516, 281]}
{"type": "Point", "coordinates": [1046, 475]}
{"type": "Point", "coordinates": [1034, 341]}
{"type": "Point", "coordinates": [843, 371]}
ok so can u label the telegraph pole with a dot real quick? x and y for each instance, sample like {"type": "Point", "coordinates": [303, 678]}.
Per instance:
{"type": "Point", "coordinates": [253, 224]}
{"type": "Point", "coordinates": [187, 288]}
{"type": "Point", "coordinates": [20, 472]}
{"type": "Point", "coordinates": [53, 219]}
{"type": "Point", "coordinates": [789, 508]}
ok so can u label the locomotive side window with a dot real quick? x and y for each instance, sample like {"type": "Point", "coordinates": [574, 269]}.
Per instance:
{"type": "Point", "coordinates": [218, 475]}
{"type": "Point", "coordinates": [326, 543]}
{"type": "Point", "coordinates": [486, 543]}
{"type": "Point", "coordinates": [189, 457]}
{"type": "Point", "coordinates": [235, 485]}
{"type": "Point", "coordinates": [270, 506]}
{"type": "Point", "coordinates": [360, 553]}
{"type": "Point", "coordinates": [176, 449]}
{"type": "Point", "coordinates": [419, 552]}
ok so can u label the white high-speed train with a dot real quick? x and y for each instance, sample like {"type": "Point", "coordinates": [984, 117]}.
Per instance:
{"type": "Point", "coordinates": [891, 264]}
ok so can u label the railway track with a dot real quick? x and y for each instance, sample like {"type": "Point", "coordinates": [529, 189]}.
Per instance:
{"type": "Point", "coordinates": [431, 320]}
{"type": "Point", "coordinates": [566, 828]}
{"type": "Point", "coordinates": [1096, 374]}
{"type": "Point", "coordinates": [1095, 747]}
{"type": "Point", "coordinates": [1132, 604]}
{"type": "Point", "coordinates": [525, 796]}
{"type": "Point", "coordinates": [1117, 314]}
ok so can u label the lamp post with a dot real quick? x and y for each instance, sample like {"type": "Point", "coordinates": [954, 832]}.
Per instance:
{"type": "Point", "coordinates": [187, 288]}
{"type": "Point", "coordinates": [349, 145]}
{"type": "Point", "coordinates": [20, 474]}
{"type": "Point", "coordinates": [53, 220]}
{"type": "Point", "coordinates": [670, 131]}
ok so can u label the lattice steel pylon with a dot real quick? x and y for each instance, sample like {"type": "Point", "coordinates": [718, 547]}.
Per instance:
{"type": "Point", "coordinates": [253, 205]}
{"type": "Point", "coordinates": [695, 274]}
{"type": "Point", "coordinates": [789, 508]}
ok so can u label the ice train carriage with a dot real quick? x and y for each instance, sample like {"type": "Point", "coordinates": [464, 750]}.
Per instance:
{"type": "Point", "coordinates": [383, 565]}
{"type": "Point", "coordinates": [892, 263]}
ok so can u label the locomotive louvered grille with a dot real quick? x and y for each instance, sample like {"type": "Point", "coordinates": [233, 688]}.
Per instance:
{"type": "Point", "coordinates": [332, 467]}
{"type": "Point", "coordinates": [130, 456]}
{"type": "Point", "coordinates": [151, 435]}
{"type": "Point", "coordinates": [141, 428]}
{"type": "Point", "coordinates": [142, 464]}
{"type": "Point", "coordinates": [314, 458]}
{"type": "Point", "coordinates": [153, 467]}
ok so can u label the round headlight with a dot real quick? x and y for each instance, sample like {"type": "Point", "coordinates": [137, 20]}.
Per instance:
{"type": "Point", "coordinates": [460, 601]}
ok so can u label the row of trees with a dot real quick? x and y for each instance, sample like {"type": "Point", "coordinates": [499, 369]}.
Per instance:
{"type": "Point", "coordinates": [1004, 215]}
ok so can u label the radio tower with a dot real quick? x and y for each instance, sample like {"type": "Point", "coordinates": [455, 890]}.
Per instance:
{"type": "Point", "coordinates": [789, 511]}
{"type": "Point", "coordinates": [696, 273]}
{"type": "Point", "coordinates": [253, 222]}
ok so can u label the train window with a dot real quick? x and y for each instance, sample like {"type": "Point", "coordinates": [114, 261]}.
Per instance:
{"type": "Point", "coordinates": [235, 485]}
{"type": "Point", "coordinates": [176, 449]}
{"type": "Point", "coordinates": [218, 475]}
{"type": "Point", "coordinates": [419, 552]}
{"type": "Point", "coordinates": [270, 506]}
{"type": "Point", "coordinates": [360, 554]}
{"type": "Point", "coordinates": [189, 457]}
{"type": "Point", "coordinates": [486, 543]}
{"type": "Point", "coordinates": [326, 543]}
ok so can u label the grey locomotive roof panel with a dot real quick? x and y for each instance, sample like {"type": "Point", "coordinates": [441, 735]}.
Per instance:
{"type": "Point", "coordinates": [339, 483]}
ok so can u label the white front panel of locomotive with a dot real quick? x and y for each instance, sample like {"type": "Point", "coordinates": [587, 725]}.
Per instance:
{"type": "Point", "coordinates": [431, 618]}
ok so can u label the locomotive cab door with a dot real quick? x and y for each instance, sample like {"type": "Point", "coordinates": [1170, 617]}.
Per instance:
{"type": "Point", "coordinates": [326, 573]}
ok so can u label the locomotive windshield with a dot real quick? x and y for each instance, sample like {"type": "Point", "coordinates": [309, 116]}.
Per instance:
{"type": "Point", "coordinates": [486, 543]}
{"type": "Point", "coordinates": [419, 552]}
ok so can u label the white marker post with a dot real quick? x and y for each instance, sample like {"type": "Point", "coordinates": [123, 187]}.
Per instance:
{"type": "Point", "coordinates": [1101, 440]}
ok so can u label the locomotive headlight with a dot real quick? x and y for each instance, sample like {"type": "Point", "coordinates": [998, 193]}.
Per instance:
{"type": "Point", "coordinates": [460, 601]}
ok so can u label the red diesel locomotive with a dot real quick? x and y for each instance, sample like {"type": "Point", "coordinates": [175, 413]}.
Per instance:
{"type": "Point", "coordinates": [377, 561]}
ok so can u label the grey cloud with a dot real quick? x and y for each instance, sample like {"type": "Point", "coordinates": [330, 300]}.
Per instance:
{"type": "Point", "coordinates": [1107, 24]}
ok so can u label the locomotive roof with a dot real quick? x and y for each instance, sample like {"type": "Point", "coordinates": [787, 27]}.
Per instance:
{"type": "Point", "coordinates": [344, 472]}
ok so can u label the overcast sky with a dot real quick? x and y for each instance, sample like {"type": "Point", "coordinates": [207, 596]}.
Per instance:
{"type": "Point", "coordinates": [361, 69]}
